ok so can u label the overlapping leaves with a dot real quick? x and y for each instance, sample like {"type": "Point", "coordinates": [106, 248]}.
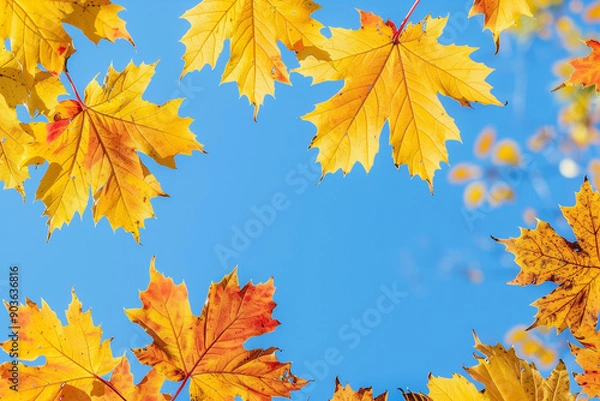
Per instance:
{"type": "Point", "coordinates": [207, 350]}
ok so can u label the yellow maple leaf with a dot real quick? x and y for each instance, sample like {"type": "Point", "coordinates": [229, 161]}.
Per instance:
{"type": "Point", "coordinates": [254, 27]}
{"type": "Point", "coordinates": [453, 389]}
{"type": "Point", "coordinates": [76, 357]}
{"type": "Point", "coordinates": [34, 28]}
{"type": "Point", "coordinates": [39, 91]}
{"type": "Point", "coordinates": [395, 76]}
{"type": "Point", "coordinates": [505, 376]}
{"type": "Point", "coordinates": [544, 255]}
{"type": "Point", "coordinates": [499, 15]}
{"type": "Point", "coordinates": [207, 350]}
{"type": "Point", "coordinates": [346, 393]}
{"type": "Point", "coordinates": [13, 140]}
{"type": "Point", "coordinates": [95, 143]}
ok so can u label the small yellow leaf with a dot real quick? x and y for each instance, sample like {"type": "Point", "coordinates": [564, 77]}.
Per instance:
{"type": "Point", "coordinates": [500, 193]}
{"type": "Point", "coordinates": [474, 194]}
{"type": "Point", "coordinates": [507, 153]}
{"type": "Point", "coordinates": [464, 172]}
{"type": "Point", "coordinates": [592, 12]}
{"type": "Point", "coordinates": [541, 139]}
{"type": "Point", "coordinates": [484, 143]}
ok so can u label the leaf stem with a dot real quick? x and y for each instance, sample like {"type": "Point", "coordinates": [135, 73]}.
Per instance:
{"type": "Point", "coordinates": [74, 88]}
{"type": "Point", "coordinates": [396, 36]}
{"type": "Point", "coordinates": [105, 382]}
{"type": "Point", "coordinates": [180, 387]}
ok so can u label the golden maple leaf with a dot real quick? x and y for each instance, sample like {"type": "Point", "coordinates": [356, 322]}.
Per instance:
{"type": "Point", "coordinates": [500, 15]}
{"type": "Point", "coordinates": [544, 255]}
{"type": "Point", "coordinates": [395, 76]}
{"type": "Point", "coordinates": [208, 350]}
{"type": "Point", "coordinates": [13, 140]}
{"type": "Point", "coordinates": [95, 143]}
{"type": "Point", "coordinates": [76, 357]}
{"type": "Point", "coordinates": [505, 376]}
{"type": "Point", "coordinates": [39, 91]}
{"type": "Point", "coordinates": [254, 28]}
{"type": "Point", "coordinates": [34, 28]}
{"type": "Point", "coordinates": [342, 393]}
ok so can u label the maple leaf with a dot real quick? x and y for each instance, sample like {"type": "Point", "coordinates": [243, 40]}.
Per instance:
{"type": "Point", "coordinates": [76, 357]}
{"type": "Point", "coordinates": [505, 376]}
{"type": "Point", "coordinates": [396, 79]}
{"type": "Point", "coordinates": [500, 15]}
{"type": "Point", "coordinates": [121, 379]}
{"type": "Point", "coordinates": [586, 70]}
{"type": "Point", "coordinates": [254, 28]}
{"type": "Point", "coordinates": [588, 357]}
{"type": "Point", "coordinates": [13, 140]}
{"type": "Point", "coordinates": [543, 256]}
{"type": "Point", "coordinates": [346, 393]}
{"type": "Point", "coordinates": [39, 91]}
{"type": "Point", "coordinates": [95, 143]}
{"type": "Point", "coordinates": [207, 350]}
{"type": "Point", "coordinates": [36, 34]}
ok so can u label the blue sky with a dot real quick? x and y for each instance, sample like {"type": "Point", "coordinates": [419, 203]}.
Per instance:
{"type": "Point", "coordinates": [335, 249]}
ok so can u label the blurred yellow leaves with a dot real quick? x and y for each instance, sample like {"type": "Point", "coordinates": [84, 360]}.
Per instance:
{"type": "Point", "coordinates": [486, 185]}
{"type": "Point", "coordinates": [530, 346]}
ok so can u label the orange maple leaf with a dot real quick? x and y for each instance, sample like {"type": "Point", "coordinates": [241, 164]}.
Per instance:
{"type": "Point", "coordinates": [586, 69]}
{"type": "Point", "coordinates": [207, 350]}
{"type": "Point", "coordinates": [545, 256]}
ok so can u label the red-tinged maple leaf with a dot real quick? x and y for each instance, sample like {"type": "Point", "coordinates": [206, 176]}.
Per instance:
{"type": "Point", "coordinates": [207, 350]}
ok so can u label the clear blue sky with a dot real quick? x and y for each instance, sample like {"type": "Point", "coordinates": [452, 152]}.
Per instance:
{"type": "Point", "coordinates": [334, 249]}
